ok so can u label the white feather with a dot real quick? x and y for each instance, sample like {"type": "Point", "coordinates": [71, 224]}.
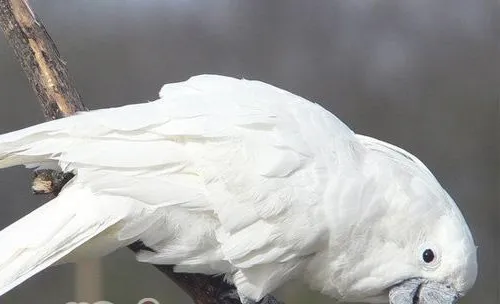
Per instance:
{"type": "Point", "coordinates": [54, 230]}
{"type": "Point", "coordinates": [235, 177]}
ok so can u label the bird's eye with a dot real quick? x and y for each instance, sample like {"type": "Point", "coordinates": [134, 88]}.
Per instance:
{"type": "Point", "coordinates": [428, 256]}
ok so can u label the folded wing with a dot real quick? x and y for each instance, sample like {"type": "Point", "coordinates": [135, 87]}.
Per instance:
{"type": "Point", "coordinates": [230, 172]}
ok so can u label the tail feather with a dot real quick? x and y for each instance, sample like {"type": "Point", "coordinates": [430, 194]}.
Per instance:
{"type": "Point", "coordinates": [54, 230]}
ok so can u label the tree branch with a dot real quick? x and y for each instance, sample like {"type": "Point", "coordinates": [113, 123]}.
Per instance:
{"type": "Point", "coordinates": [49, 78]}
{"type": "Point", "coordinates": [39, 59]}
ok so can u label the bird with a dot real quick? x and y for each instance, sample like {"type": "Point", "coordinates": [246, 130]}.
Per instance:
{"type": "Point", "coordinates": [238, 178]}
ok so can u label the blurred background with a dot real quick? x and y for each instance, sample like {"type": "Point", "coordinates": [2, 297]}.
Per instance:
{"type": "Point", "coordinates": [423, 75]}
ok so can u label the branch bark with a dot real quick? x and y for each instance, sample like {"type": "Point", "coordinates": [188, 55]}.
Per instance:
{"type": "Point", "coordinates": [40, 60]}
{"type": "Point", "coordinates": [49, 78]}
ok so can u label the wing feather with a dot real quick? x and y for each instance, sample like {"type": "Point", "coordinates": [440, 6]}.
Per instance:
{"type": "Point", "coordinates": [235, 169]}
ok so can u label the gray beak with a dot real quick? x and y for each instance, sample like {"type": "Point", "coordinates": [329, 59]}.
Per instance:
{"type": "Point", "coordinates": [420, 291]}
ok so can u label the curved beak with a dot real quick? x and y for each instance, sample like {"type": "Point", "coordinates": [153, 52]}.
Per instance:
{"type": "Point", "coordinates": [420, 291]}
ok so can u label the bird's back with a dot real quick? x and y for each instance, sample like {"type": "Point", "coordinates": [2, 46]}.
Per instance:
{"type": "Point", "coordinates": [228, 175]}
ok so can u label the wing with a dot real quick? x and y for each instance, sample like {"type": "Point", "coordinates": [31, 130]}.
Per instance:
{"type": "Point", "coordinates": [237, 168]}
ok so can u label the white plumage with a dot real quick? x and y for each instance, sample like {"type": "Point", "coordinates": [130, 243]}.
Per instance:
{"type": "Point", "coordinates": [237, 177]}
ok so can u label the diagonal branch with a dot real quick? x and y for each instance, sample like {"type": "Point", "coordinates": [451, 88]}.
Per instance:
{"type": "Point", "coordinates": [49, 78]}
{"type": "Point", "coordinates": [40, 60]}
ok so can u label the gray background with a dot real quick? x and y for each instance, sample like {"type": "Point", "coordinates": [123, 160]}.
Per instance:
{"type": "Point", "coordinates": [422, 74]}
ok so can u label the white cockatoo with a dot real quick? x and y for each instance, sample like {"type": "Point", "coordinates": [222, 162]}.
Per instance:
{"type": "Point", "coordinates": [237, 177]}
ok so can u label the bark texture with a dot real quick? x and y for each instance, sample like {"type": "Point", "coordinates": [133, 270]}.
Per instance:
{"type": "Point", "coordinates": [40, 59]}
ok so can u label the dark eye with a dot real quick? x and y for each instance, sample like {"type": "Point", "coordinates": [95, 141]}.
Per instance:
{"type": "Point", "coordinates": [428, 255]}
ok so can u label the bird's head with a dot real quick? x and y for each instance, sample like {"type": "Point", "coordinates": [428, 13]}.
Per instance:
{"type": "Point", "coordinates": [410, 243]}
{"type": "Point", "coordinates": [441, 265]}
